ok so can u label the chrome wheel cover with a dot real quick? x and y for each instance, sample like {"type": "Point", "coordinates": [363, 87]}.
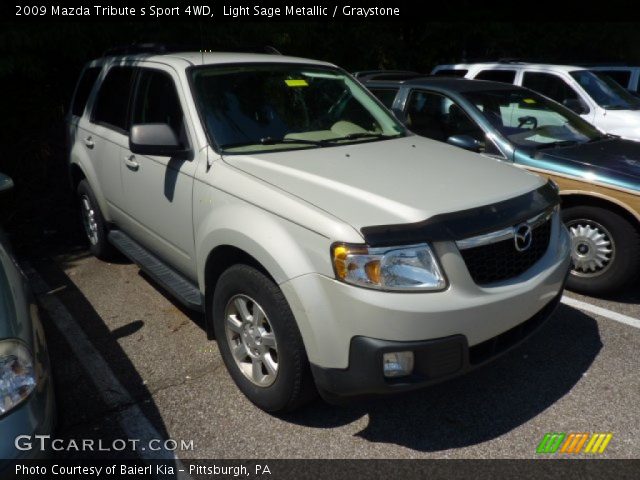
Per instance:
{"type": "Point", "coordinates": [251, 340]}
{"type": "Point", "coordinates": [592, 248]}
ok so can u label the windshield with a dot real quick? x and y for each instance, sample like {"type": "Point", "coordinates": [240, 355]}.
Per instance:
{"type": "Point", "coordinates": [530, 120]}
{"type": "Point", "coordinates": [259, 108]}
{"type": "Point", "coordinates": [605, 91]}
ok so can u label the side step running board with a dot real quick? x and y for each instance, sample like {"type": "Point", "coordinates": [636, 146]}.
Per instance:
{"type": "Point", "coordinates": [184, 290]}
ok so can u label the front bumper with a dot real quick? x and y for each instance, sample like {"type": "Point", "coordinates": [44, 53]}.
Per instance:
{"type": "Point", "coordinates": [435, 360]}
{"type": "Point", "coordinates": [332, 315]}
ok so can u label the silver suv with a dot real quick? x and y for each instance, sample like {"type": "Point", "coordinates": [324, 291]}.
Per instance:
{"type": "Point", "coordinates": [330, 249]}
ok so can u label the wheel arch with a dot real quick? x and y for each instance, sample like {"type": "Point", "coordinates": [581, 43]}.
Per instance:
{"type": "Point", "coordinates": [575, 198]}
{"type": "Point", "coordinates": [80, 168]}
{"type": "Point", "coordinates": [76, 175]}
{"type": "Point", "coordinates": [218, 261]}
{"type": "Point", "coordinates": [241, 234]}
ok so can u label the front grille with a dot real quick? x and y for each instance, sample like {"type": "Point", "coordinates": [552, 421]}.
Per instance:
{"type": "Point", "coordinates": [501, 260]}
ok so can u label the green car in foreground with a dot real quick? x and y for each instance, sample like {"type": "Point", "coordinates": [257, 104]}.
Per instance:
{"type": "Point", "coordinates": [26, 389]}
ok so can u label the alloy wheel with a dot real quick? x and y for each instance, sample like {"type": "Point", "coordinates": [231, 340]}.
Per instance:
{"type": "Point", "coordinates": [251, 340]}
{"type": "Point", "coordinates": [89, 219]}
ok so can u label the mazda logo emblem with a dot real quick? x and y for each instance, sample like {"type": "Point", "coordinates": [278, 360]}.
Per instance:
{"type": "Point", "coordinates": [522, 237]}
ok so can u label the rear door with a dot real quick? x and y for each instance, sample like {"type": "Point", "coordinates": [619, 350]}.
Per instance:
{"type": "Point", "coordinates": [85, 86]}
{"type": "Point", "coordinates": [158, 190]}
{"type": "Point", "coordinates": [109, 133]}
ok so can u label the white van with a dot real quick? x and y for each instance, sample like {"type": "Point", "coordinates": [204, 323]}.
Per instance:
{"type": "Point", "coordinates": [594, 96]}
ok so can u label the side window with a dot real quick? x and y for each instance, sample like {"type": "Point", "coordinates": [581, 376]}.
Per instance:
{"type": "Point", "coordinates": [112, 103]}
{"type": "Point", "coordinates": [449, 72]}
{"type": "Point", "coordinates": [83, 90]}
{"type": "Point", "coordinates": [157, 101]}
{"type": "Point", "coordinates": [623, 77]}
{"type": "Point", "coordinates": [436, 116]}
{"type": "Point", "coordinates": [385, 95]}
{"type": "Point", "coordinates": [504, 76]}
{"type": "Point", "coordinates": [553, 87]}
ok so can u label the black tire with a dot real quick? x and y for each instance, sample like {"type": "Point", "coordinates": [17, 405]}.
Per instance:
{"type": "Point", "coordinates": [99, 246]}
{"type": "Point", "coordinates": [293, 385]}
{"type": "Point", "coordinates": [625, 260]}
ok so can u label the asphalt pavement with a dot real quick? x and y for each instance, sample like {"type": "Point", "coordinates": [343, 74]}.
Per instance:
{"type": "Point", "coordinates": [128, 360]}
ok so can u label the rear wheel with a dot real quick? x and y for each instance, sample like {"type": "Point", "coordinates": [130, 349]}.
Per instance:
{"type": "Point", "coordinates": [95, 226]}
{"type": "Point", "coordinates": [259, 340]}
{"type": "Point", "coordinates": [605, 249]}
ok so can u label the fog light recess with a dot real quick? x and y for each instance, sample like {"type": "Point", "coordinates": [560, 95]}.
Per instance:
{"type": "Point", "coordinates": [397, 364]}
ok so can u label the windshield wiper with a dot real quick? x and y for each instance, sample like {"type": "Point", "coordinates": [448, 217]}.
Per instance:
{"type": "Point", "coordinates": [273, 141]}
{"type": "Point", "coordinates": [560, 143]}
{"type": "Point", "coordinates": [362, 135]}
{"type": "Point", "coordinates": [318, 143]}
{"type": "Point", "coordinates": [598, 138]}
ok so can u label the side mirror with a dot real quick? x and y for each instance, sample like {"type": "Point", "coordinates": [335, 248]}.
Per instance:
{"type": "Point", "coordinates": [575, 105]}
{"type": "Point", "coordinates": [156, 139]}
{"type": "Point", "coordinates": [466, 141]}
{"type": "Point", "coordinates": [6, 183]}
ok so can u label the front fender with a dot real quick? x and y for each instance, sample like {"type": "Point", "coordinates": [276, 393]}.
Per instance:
{"type": "Point", "coordinates": [284, 249]}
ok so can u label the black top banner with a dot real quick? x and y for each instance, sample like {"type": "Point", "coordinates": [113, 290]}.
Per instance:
{"type": "Point", "coordinates": [319, 11]}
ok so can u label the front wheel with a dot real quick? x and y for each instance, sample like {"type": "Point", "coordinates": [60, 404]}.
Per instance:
{"type": "Point", "coordinates": [259, 340]}
{"type": "Point", "coordinates": [605, 250]}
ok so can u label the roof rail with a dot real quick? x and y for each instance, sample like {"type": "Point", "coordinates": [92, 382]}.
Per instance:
{"type": "Point", "coordinates": [386, 74]}
{"type": "Point", "coordinates": [510, 60]}
{"type": "Point", "coordinates": [272, 50]}
{"type": "Point", "coordinates": [161, 48]}
{"type": "Point", "coordinates": [366, 73]}
{"type": "Point", "coordinates": [157, 48]}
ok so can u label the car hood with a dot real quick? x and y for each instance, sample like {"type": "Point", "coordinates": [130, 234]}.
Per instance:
{"type": "Point", "coordinates": [389, 182]}
{"type": "Point", "coordinates": [614, 161]}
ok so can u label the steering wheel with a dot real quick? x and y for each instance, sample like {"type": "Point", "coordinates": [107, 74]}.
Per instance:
{"type": "Point", "coordinates": [528, 119]}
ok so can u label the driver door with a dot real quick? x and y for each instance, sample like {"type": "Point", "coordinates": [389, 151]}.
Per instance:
{"type": "Point", "coordinates": [158, 190]}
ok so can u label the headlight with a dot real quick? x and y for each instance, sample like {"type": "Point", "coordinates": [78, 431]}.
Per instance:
{"type": "Point", "coordinates": [405, 268]}
{"type": "Point", "coordinates": [17, 377]}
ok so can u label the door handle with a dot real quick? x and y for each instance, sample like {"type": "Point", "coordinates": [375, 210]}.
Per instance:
{"type": "Point", "coordinates": [130, 162]}
{"type": "Point", "coordinates": [89, 142]}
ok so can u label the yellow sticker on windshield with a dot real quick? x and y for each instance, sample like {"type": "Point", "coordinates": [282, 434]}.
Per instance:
{"type": "Point", "coordinates": [528, 100]}
{"type": "Point", "coordinates": [296, 83]}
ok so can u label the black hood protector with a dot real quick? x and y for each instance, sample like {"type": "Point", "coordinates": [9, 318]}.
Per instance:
{"type": "Point", "coordinates": [466, 223]}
